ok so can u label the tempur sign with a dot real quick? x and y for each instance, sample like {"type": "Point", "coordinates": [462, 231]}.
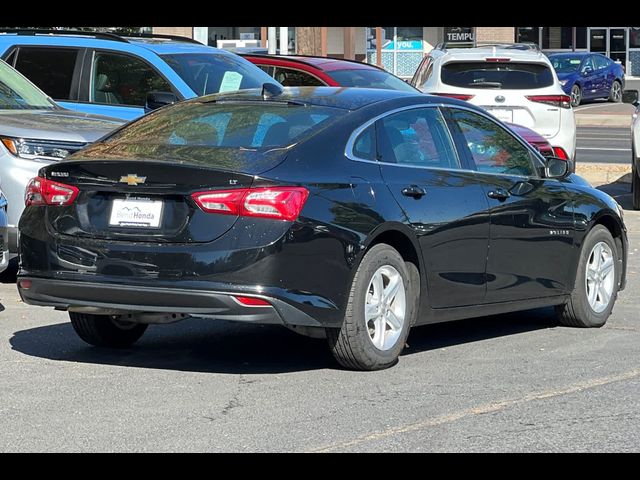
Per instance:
{"type": "Point", "coordinates": [458, 34]}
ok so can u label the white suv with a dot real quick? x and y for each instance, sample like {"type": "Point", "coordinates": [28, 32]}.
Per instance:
{"type": "Point", "coordinates": [514, 82]}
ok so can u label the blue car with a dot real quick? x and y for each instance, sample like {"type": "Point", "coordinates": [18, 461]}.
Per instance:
{"type": "Point", "coordinates": [124, 77]}
{"type": "Point", "coordinates": [586, 76]}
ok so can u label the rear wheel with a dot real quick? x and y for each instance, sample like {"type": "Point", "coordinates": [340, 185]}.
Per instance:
{"type": "Point", "coordinates": [597, 282]}
{"type": "Point", "coordinates": [615, 94]}
{"type": "Point", "coordinates": [380, 310]}
{"type": "Point", "coordinates": [105, 331]}
{"type": "Point", "coordinates": [576, 96]}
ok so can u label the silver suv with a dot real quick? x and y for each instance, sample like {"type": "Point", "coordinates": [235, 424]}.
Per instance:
{"type": "Point", "coordinates": [34, 132]}
{"type": "Point", "coordinates": [514, 82]}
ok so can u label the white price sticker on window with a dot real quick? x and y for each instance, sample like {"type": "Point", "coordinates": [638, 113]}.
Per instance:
{"type": "Point", "coordinates": [230, 82]}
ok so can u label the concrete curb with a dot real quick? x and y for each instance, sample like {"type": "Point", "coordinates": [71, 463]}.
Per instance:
{"type": "Point", "coordinates": [603, 173]}
{"type": "Point", "coordinates": [595, 120]}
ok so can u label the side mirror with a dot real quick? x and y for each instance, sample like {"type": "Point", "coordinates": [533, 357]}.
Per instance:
{"type": "Point", "coordinates": [159, 99]}
{"type": "Point", "coordinates": [556, 168]}
{"type": "Point", "coordinates": [587, 71]}
{"type": "Point", "coordinates": [630, 96]}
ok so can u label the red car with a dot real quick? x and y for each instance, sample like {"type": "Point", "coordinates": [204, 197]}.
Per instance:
{"type": "Point", "coordinates": [308, 71]}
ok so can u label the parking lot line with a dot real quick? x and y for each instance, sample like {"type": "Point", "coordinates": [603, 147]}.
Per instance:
{"type": "Point", "coordinates": [481, 409]}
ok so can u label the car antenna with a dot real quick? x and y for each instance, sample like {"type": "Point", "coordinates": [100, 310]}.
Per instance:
{"type": "Point", "coordinates": [270, 90]}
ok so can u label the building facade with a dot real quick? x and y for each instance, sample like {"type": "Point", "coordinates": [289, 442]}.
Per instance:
{"type": "Point", "coordinates": [400, 49]}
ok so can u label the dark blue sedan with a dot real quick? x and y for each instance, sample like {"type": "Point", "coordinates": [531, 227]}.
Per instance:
{"type": "Point", "coordinates": [586, 75]}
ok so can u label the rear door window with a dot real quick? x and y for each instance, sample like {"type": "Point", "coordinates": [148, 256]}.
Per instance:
{"type": "Point", "coordinates": [51, 69]}
{"type": "Point", "coordinates": [118, 79]}
{"type": "Point", "coordinates": [504, 75]}
{"type": "Point", "coordinates": [290, 77]}
{"type": "Point", "coordinates": [418, 138]}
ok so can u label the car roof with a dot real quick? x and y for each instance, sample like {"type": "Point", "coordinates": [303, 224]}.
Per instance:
{"type": "Point", "coordinates": [157, 44]}
{"type": "Point", "coordinates": [348, 98]}
{"type": "Point", "coordinates": [480, 53]}
{"type": "Point", "coordinates": [326, 64]}
{"type": "Point", "coordinates": [573, 54]}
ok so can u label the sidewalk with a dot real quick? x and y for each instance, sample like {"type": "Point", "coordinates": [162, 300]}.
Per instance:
{"type": "Point", "coordinates": [604, 173]}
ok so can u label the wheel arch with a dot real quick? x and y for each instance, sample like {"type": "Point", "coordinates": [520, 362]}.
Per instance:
{"type": "Point", "coordinates": [615, 227]}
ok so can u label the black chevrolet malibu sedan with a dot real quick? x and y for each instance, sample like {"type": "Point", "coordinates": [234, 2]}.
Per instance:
{"type": "Point", "coordinates": [347, 214]}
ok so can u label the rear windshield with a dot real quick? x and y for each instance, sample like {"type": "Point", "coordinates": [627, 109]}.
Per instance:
{"type": "Point", "coordinates": [504, 75]}
{"type": "Point", "coordinates": [246, 125]}
{"type": "Point", "coordinates": [370, 79]}
{"type": "Point", "coordinates": [209, 73]}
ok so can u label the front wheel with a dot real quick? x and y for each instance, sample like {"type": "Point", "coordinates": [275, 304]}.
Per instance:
{"type": "Point", "coordinates": [380, 310]}
{"type": "Point", "coordinates": [597, 282]}
{"type": "Point", "coordinates": [615, 94]}
{"type": "Point", "coordinates": [105, 331]}
{"type": "Point", "coordinates": [576, 96]}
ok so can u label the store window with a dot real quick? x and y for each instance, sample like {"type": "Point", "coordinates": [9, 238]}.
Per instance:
{"type": "Point", "coordinates": [634, 37]}
{"type": "Point", "coordinates": [402, 49]}
{"type": "Point", "coordinates": [553, 38]}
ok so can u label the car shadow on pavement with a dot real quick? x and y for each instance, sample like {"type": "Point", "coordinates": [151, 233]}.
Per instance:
{"type": "Point", "coordinates": [621, 191]}
{"type": "Point", "coordinates": [195, 345]}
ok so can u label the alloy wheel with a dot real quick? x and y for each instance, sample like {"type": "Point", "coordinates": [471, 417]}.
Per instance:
{"type": "Point", "coordinates": [600, 277]}
{"type": "Point", "coordinates": [385, 307]}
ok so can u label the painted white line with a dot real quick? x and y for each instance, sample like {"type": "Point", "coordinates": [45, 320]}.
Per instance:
{"type": "Point", "coordinates": [605, 149]}
{"type": "Point", "coordinates": [480, 410]}
{"type": "Point", "coordinates": [581, 107]}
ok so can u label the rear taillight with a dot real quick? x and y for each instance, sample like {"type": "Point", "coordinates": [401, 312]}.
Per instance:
{"type": "Point", "coordinates": [559, 152]}
{"type": "Point", "coordinates": [41, 191]}
{"type": "Point", "coordinates": [279, 203]}
{"type": "Point", "coordinates": [562, 101]}
{"type": "Point", "coordinates": [457, 96]}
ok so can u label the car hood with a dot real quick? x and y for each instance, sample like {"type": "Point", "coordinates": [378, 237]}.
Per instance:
{"type": "Point", "coordinates": [63, 125]}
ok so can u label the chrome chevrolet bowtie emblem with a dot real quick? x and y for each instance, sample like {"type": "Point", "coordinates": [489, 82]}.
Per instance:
{"type": "Point", "coordinates": [132, 179]}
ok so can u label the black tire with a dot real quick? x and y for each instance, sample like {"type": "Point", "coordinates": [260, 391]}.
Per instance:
{"type": "Point", "coordinates": [635, 188]}
{"type": "Point", "coordinates": [576, 95]}
{"type": "Point", "coordinates": [351, 345]}
{"type": "Point", "coordinates": [577, 312]}
{"type": "Point", "coordinates": [102, 331]}
{"type": "Point", "coordinates": [615, 94]}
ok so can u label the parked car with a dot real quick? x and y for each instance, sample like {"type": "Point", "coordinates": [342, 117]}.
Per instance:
{"type": "Point", "coordinates": [301, 71]}
{"type": "Point", "coordinates": [514, 82]}
{"type": "Point", "coordinates": [348, 213]}
{"type": "Point", "coordinates": [4, 245]}
{"type": "Point", "coordinates": [124, 77]}
{"type": "Point", "coordinates": [631, 96]}
{"type": "Point", "coordinates": [35, 132]}
{"type": "Point", "coordinates": [309, 71]}
{"type": "Point", "coordinates": [586, 76]}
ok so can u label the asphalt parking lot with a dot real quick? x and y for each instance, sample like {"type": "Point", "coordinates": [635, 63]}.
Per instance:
{"type": "Point", "coordinates": [515, 383]}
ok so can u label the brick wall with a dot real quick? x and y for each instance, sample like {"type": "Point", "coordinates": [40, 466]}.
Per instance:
{"type": "Point", "coordinates": [495, 34]}
{"type": "Point", "coordinates": [182, 31]}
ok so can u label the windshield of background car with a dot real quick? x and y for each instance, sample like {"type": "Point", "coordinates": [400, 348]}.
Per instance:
{"type": "Point", "coordinates": [17, 93]}
{"type": "Point", "coordinates": [209, 73]}
{"type": "Point", "coordinates": [370, 79]}
{"type": "Point", "coordinates": [504, 75]}
{"type": "Point", "coordinates": [244, 125]}
{"type": "Point", "coordinates": [566, 64]}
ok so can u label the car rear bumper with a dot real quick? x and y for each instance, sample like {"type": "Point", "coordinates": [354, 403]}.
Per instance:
{"type": "Point", "coordinates": [123, 299]}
